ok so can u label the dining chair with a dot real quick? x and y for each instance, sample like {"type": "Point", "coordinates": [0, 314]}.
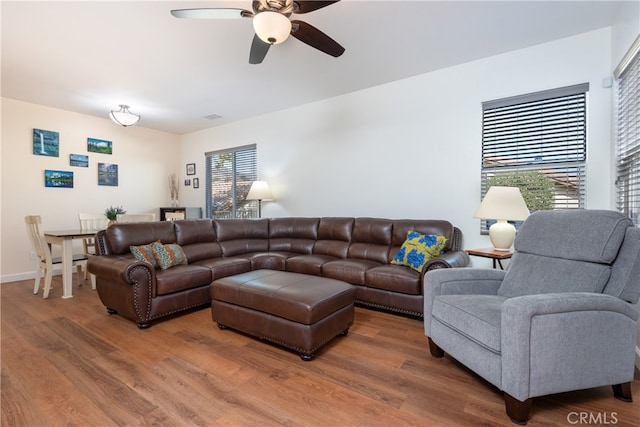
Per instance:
{"type": "Point", "coordinates": [91, 222]}
{"type": "Point", "coordinates": [136, 217]}
{"type": "Point", "coordinates": [172, 216]}
{"type": "Point", "coordinates": [44, 258]}
{"type": "Point", "coordinates": [96, 222]}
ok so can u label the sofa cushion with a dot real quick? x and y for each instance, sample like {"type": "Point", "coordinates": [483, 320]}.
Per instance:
{"type": "Point", "coordinates": [418, 249]}
{"type": "Point", "coordinates": [181, 278]}
{"type": "Point", "coordinates": [198, 239]}
{"type": "Point", "coordinates": [308, 264]}
{"type": "Point", "coordinates": [435, 227]}
{"type": "Point", "coordinates": [371, 239]}
{"type": "Point", "coordinates": [168, 255]}
{"type": "Point", "coordinates": [394, 278]}
{"type": "Point", "coordinates": [144, 253]}
{"type": "Point", "coordinates": [296, 235]}
{"type": "Point", "coordinates": [223, 267]}
{"type": "Point", "coordinates": [349, 270]}
{"type": "Point", "coordinates": [476, 317]}
{"type": "Point", "coordinates": [334, 236]}
{"type": "Point", "coordinates": [119, 237]}
{"type": "Point", "coordinates": [237, 237]}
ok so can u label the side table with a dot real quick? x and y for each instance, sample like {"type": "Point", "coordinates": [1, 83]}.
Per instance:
{"type": "Point", "coordinates": [496, 256]}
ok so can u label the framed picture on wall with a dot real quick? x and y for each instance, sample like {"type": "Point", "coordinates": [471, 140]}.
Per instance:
{"type": "Point", "coordinates": [79, 160]}
{"type": "Point", "coordinates": [187, 182]}
{"type": "Point", "coordinates": [58, 179]}
{"type": "Point", "coordinates": [191, 168]}
{"type": "Point", "coordinates": [99, 146]}
{"type": "Point", "coordinates": [46, 143]}
{"type": "Point", "coordinates": [108, 174]}
{"type": "Point", "coordinates": [196, 183]}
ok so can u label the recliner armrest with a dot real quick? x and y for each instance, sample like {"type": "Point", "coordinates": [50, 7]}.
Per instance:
{"type": "Point", "coordinates": [458, 281]}
{"type": "Point", "coordinates": [542, 334]}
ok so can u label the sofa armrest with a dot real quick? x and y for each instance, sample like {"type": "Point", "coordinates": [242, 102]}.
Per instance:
{"type": "Point", "coordinates": [552, 343]}
{"type": "Point", "coordinates": [124, 285]}
{"type": "Point", "coordinates": [458, 281]}
{"type": "Point", "coordinates": [448, 259]}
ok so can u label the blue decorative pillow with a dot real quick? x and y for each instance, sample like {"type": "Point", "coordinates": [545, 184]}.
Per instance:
{"type": "Point", "coordinates": [418, 249]}
{"type": "Point", "coordinates": [169, 255]}
{"type": "Point", "coordinates": [144, 253]}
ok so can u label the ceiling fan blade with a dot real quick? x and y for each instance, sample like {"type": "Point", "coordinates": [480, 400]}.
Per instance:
{"type": "Point", "coordinates": [312, 36]}
{"type": "Point", "coordinates": [211, 13]}
{"type": "Point", "coordinates": [309, 6]}
{"type": "Point", "coordinates": [259, 50]}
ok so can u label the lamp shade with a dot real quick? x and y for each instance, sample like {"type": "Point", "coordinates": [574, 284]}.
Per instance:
{"type": "Point", "coordinates": [123, 116]}
{"type": "Point", "coordinates": [259, 191]}
{"type": "Point", "coordinates": [502, 204]}
{"type": "Point", "coordinates": [272, 27]}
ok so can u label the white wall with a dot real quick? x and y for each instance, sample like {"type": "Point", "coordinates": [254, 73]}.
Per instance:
{"type": "Point", "coordinates": [412, 148]}
{"type": "Point", "coordinates": [145, 159]}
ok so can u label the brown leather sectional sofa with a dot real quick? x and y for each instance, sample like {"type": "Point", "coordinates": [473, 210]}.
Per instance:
{"type": "Point", "coordinates": [355, 250]}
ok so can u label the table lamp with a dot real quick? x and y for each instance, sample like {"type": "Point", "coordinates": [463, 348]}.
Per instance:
{"type": "Point", "coordinates": [259, 191]}
{"type": "Point", "coordinates": [502, 204]}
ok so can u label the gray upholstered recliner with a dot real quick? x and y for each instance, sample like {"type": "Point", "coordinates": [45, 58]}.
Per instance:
{"type": "Point", "coordinates": [560, 318]}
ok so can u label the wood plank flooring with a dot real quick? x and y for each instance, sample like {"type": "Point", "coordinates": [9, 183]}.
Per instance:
{"type": "Point", "coordinates": [69, 363]}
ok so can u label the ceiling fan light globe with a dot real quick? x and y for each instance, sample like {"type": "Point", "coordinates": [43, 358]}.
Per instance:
{"type": "Point", "coordinates": [272, 27]}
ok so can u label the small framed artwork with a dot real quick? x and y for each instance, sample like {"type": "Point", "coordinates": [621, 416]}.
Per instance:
{"type": "Point", "coordinates": [99, 146]}
{"type": "Point", "coordinates": [46, 143]}
{"type": "Point", "coordinates": [58, 179]}
{"type": "Point", "coordinates": [79, 160]}
{"type": "Point", "coordinates": [196, 183]}
{"type": "Point", "coordinates": [191, 168]}
{"type": "Point", "coordinates": [108, 174]}
{"type": "Point", "coordinates": [187, 182]}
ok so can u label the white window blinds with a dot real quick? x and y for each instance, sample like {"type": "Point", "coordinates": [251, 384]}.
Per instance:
{"type": "Point", "coordinates": [229, 177]}
{"type": "Point", "coordinates": [537, 142]}
{"type": "Point", "coordinates": [628, 134]}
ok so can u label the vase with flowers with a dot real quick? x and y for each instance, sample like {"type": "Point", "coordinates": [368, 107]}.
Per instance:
{"type": "Point", "coordinates": [112, 213]}
{"type": "Point", "coordinates": [173, 190]}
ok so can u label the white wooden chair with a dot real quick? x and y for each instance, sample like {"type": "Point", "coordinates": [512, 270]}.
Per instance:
{"type": "Point", "coordinates": [136, 217]}
{"type": "Point", "coordinates": [172, 216]}
{"type": "Point", "coordinates": [91, 222]}
{"type": "Point", "coordinates": [43, 254]}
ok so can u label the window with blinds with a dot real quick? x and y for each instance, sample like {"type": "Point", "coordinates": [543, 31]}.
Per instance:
{"type": "Point", "coordinates": [229, 177]}
{"type": "Point", "coordinates": [537, 142]}
{"type": "Point", "coordinates": [628, 134]}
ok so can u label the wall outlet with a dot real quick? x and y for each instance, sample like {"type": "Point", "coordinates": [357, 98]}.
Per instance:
{"type": "Point", "coordinates": [32, 255]}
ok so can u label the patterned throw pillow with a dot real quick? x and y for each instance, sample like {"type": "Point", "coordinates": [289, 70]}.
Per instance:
{"type": "Point", "coordinates": [144, 253]}
{"type": "Point", "coordinates": [418, 249]}
{"type": "Point", "coordinates": [168, 255]}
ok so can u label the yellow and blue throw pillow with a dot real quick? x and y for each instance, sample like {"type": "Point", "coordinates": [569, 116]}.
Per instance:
{"type": "Point", "coordinates": [418, 249]}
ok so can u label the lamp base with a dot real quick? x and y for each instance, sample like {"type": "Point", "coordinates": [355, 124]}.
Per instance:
{"type": "Point", "coordinates": [502, 235]}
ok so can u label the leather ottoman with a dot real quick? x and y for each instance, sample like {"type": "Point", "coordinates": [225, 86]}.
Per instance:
{"type": "Point", "coordinates": [298, 311]}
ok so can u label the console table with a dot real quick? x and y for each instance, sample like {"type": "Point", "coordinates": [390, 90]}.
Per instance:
{"type": "Point", "coordinates": [189, 213]}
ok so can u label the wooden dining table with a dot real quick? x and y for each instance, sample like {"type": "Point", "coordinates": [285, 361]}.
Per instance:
{"type": "Point", "coordinates": [64, 238]}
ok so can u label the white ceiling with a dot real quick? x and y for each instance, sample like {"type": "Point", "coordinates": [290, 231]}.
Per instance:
{"type": "Point", "coordinates": [90, 56]}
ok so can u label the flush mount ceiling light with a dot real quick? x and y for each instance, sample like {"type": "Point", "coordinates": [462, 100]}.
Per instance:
{"type": "Point", "coordinates": [272, 27]}
{"type": "Point", "coordinates": [123, 116]}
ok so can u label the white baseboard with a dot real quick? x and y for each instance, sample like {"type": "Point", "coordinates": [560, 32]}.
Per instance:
{"type": "Point", "coordinates": [31, 275]}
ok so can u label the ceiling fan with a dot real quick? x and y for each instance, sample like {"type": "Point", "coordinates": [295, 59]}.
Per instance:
{"type": "Point", "coordinates": [272, 24]}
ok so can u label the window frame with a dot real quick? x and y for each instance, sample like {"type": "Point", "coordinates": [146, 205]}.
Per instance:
{"type": "Point", "coordinates": [627, 85]}
{"type": "Point", "coordinates": [553, 125]}
{"type": "Point", "coordinates": [243, 171]}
